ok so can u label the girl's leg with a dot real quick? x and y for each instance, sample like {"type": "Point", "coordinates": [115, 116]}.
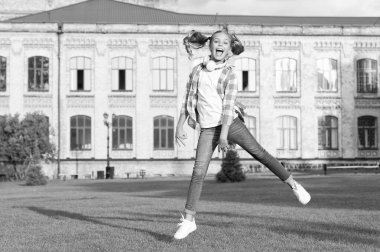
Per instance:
{"type": "Point", "coordinates": [208, 140]}
{"type": "Point", "coordinates": [239, 134]}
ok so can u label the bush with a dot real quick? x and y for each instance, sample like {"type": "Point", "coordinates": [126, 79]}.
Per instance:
{"type": "Point", "coordinates": [231, 168]}
{"type": "Point", "coordinates": [35, 176]}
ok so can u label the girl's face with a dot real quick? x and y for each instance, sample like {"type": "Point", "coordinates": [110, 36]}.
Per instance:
{"type": "Point", "coordinates": [220, 47]}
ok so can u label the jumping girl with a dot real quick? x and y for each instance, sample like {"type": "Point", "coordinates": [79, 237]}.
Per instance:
{"type": "Point", "coordinates": [210, 101]}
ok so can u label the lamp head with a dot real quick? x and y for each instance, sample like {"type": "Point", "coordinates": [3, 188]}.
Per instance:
{"type": "Point", "coordinates": [105, 115]}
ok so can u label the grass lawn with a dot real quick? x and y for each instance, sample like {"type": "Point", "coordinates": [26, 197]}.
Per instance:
{"type": "Point", "coordinates": [260, 214]}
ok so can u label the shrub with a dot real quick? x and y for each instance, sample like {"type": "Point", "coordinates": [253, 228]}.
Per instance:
{"type": "Point", "coordinates": [35, 176]}
{"type": "Point", "coordinates": [231, 168]}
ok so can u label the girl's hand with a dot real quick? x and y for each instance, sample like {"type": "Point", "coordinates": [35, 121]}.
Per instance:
{"type": "Point", "coordinates": [180, 136]}
{"type": "Point", "coordinates": [223, 145]}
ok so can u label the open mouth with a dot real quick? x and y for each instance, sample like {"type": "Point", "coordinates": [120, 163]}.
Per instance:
{"type": "Point", "coordinates": [219, 52]}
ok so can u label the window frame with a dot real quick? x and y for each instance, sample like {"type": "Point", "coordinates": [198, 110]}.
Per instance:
{"type": "Point", "coordinates": [284, 134]}
{"type": "Point", "coordinates": [280, 71]}
{"type": "Point", "coordinates": [34, 68]}
{"type": "Point", "coordinates": [322, 81]}
{"type": "Point", "coordinates": [117, 128]}
{"type": "Point", "coordinates": [81, 63]}
{"type": "Point", "coordinates": [361, 71]}
{"type": "Point", "coordinates": [326, 131]}
{"type": "Point", "coordinates": [163, 128]}
{"type": "Point", "coordinates": [365, 130]}
{"type": "Point", "coordinates": [250, 68]}
{"type": "Point", "coordinates": [3, 68]}
{"type": "Point", "coordinates": [87, 130]}
{"type": "Point", "coordinates": [122, 63]}
{"type": "Point", "coordinates": [162, 74]}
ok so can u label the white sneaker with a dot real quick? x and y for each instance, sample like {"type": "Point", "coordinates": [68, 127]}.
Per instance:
{"type": "Point", "coordinates": [185, 228]}
{"type": "Point", "coordinates": [302, 195]}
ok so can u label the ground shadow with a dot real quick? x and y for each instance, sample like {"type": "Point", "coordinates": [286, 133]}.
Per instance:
{"type": "Point", "coordinates": [94, 220]}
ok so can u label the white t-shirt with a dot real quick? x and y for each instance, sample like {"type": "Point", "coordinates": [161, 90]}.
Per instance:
{"type": "Point", "coordinates": [210, 104]}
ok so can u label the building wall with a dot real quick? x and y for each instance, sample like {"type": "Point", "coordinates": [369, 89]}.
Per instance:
{"type": "Point", "coordinates": [102, 43]}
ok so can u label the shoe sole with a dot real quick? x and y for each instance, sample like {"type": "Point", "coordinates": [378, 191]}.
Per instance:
{"type": "Point", "coordinates": [185, 236]}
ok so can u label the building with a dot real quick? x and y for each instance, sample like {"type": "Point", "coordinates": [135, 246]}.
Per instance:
{"type": "Point", "coordinates": [310, 85]}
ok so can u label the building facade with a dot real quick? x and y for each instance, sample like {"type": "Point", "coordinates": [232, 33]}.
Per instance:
{"type": "Point", "coordinates": [311, 92]}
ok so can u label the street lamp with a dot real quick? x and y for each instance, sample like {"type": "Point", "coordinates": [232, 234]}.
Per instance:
{"type": "Point", "coordinates": [108, 125]}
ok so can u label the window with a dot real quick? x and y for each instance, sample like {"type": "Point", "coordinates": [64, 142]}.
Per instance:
{"type": "Point", "coordinates": [250, 121]}
{"type": "Point", "coordinates": [327, 70]}
{"type": "Point", "coordinates": [287, 133]}
{"type": "Point", "coordinates": [38, 73]}
{"type": "Point", "coordinates": [163, 74]}
{"type": "Point", "coordinates": [367, 126]}
{"type": "Point", "coordinates": [80, 71]}
{"type": "Point", "coordinates": [246, 74]}
{"type": "Point", "coordinates": [122, 138]}
{"type": "Point", "coordinates": [286, 75]}
{"type": "Point", "coordinates": [163, 132]}
{"type": "Point", "coordinates": [328, 133]}
{"type": "Point", "coordinates": [122, 74]}
{"type": "Point", "coordinates": [80, 132]}
{"type": "Point", "coordinates": [3, 74]}
{"type": "Point", "coordinates": [367, 76]}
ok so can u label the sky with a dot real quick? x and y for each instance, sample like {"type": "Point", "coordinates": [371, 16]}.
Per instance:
{"type": "Point", "coordinates": [352, 8]}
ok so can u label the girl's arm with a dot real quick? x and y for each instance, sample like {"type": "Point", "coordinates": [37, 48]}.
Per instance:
{"type": "Point", "coordinates": [228, 108]}
{"type": "Point", "coordinates": [180, 133]}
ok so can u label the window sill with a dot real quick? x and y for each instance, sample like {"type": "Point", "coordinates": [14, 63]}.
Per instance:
{"type": "Point", "coordinates": [47, 95]}
{"type": "Point", "coordinates": [80, 95]}
{"type": "Point", "coordinates": [163, 93]}
{"type": "Point", "coordinates": [248, 94]}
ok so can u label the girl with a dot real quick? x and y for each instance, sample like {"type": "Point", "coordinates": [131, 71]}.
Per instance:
{"type": "Point", "coordinates": [210, 101]}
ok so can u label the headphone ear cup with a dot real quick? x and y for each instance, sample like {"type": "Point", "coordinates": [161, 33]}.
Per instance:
{"type": "Point", "coordinates": [209, 64]}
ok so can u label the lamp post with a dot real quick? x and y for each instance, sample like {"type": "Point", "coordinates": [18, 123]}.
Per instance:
{"type": "Point", "coordinates": [108, 125]}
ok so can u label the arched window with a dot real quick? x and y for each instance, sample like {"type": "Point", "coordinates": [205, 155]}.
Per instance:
{"type": "Point", "coordinates": [38, 73]}
{"type": "Point", "coordinates": [80, 71]}
{"type": "Point", "coordinates": [367, 127]}
{"type": "Point", "coordinates": [246, 74]}
{"type": "Point", "coordinates": [328, 133]}
{"type": "Point", "coordinates": [122, 74]}
{"type": "Point", "coordinates": [286, 75]}
{"type": "Point", "coordinates": [80, 132]}
{"type": "Point", "coordinates": [163, 74]}
{"type": "Point", "coordinates": [3, 74]}
{"type": "Point", "coordinates": [287, 133]}
{"type": "Point", "coordinates": [163, 132]}
{"type": "Point", "coordinates": [122, 129]}
{"type": "Point", "coordinates": [327, 70]}
{"type": "Point", "coordinates": [367, 76]}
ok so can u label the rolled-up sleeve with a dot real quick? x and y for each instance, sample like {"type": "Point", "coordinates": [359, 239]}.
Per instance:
{"type": "Point", "coordinates": [185, 97]}
{"type": "Point", "coordinates": [230, 94]}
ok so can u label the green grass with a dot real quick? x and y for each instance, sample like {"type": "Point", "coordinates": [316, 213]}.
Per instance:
{"type": "Point", "coordinates": [260, 214]}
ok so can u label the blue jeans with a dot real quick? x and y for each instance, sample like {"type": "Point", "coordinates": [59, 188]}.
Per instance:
{"type": "Point", "coordinates": [208, 141]}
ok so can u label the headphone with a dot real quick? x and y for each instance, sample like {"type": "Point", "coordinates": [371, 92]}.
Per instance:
{"type": "Point", "coordinates": [211, 65]}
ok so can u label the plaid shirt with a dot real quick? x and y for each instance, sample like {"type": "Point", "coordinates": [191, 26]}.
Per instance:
{"type": "Point", "coordinates": [227, 89]}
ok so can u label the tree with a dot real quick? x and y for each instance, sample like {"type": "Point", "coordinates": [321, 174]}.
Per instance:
{"type": "Point", "coordinates": [25, 143]}
{"type": "Point", "coordinates": [231, 168]}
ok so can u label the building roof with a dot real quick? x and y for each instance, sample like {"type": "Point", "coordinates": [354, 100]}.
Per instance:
{"type": "Point", "coordinates": [114, 12]}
